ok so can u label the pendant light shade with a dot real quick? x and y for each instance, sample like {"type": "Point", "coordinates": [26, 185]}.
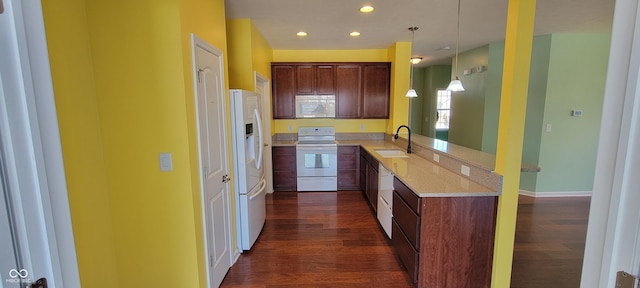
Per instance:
{"type": "Point", "coordinates": [412, 92]}
{"type": "Point", "coordinates": [456, 85]}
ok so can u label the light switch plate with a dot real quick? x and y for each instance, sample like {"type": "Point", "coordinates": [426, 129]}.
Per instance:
{"type": "Point", "coordinates": [166, 164]}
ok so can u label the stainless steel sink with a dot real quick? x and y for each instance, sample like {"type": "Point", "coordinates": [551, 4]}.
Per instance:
{"type": "Point", "coordinates": [391, 153]}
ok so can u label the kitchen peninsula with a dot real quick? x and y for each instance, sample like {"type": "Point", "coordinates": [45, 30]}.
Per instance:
{"type": "Point", "coordinates": [444, 205]}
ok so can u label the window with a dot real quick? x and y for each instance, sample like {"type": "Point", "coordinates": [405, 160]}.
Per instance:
{"type": "Point", "coordinates": [443, 109]}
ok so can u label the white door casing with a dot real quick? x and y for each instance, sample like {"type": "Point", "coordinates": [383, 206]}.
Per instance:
{"type": "Point", "coordinates": [32, 150]}
{"type": "Point", "coordinates": [263, 88]}
{"type": "Point", "coordinates": [212, 130]}
{"type": "Point", "coordinates": [613, 234]}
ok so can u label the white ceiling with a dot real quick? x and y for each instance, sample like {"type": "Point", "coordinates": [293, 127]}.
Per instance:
{"type": "Point", "coordinates": [329, 22]}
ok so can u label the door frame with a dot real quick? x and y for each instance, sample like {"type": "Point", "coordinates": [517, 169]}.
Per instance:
{"type": "Point", "coordinates": [266, 127]}
{"type": "Point", "coordinates": [613, 232]}
{"type": "Point", "coordinates": [199, 42]}
{"type": "Point", "coordinates": [50, 233]}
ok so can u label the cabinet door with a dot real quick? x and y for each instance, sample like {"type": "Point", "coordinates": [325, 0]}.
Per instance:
{"type": "Point", "coordinates": [284, 169]}
{"type": "Point", "coordinates": [325, 80]}
{"type": "Point", "coordinates": [348, 91]}
{"type": "Point", "coordinates": [372, 185]}
{"type": "Point", "coordinates": [363, 171]}
{"type": "Point", "coordinates": [283, 90]}
{"type": "Point", "coordinates": [305, 79]}
{"type": "Point", "coordinates": [375, 95]}
{"type": "Point", "coordinates": [348, 168]}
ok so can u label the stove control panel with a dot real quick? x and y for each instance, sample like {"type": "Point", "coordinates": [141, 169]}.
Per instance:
{"type": "Point", "coordinates": [312, 131]}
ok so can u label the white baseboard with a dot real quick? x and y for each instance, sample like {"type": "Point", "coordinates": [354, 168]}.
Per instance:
{"type": "Point", "coordinates": [236, 255]}
{"type": "Point", "coordinates": [555, 194]}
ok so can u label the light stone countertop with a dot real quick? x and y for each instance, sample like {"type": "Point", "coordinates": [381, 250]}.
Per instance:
{"type": "Point", "coordinates": [425, 178]}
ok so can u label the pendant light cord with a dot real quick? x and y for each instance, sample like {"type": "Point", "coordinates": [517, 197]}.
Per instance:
{"type": "Point", "coordinates": [457, 39]}
{"type": "Point", "coordinates": [413, 33]}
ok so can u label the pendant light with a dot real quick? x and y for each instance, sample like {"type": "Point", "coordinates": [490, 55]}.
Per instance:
{"type": "Point", "coordinates": [412, 92]}
{"type": "Point", "coordinates": [456, 84]}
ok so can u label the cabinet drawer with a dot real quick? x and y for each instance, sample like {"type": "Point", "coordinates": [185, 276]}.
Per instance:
{"type": "Point", "coordinates": [407, 254]}
{"type": "Point", "coordinates": [406, 219]}
{"type": "Point", "coordinates": [407, 195]}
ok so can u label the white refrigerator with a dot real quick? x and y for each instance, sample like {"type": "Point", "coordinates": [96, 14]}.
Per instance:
{"type": "Point", "coordinates": [249, 180]}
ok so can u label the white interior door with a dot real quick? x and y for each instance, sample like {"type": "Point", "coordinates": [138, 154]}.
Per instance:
{"type": "Point", "coordinates": [214, 160]}
{"type": "Point", "coordinates": [263, 88]}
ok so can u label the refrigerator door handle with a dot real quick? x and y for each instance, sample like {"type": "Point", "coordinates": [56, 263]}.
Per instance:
{"type": "Point", "coordinates": [263, 185]}
{"type": "Point", "coordinates": [258, 119]}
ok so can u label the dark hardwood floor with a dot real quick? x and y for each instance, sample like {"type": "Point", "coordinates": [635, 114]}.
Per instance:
{"type": "Point", "coordinates": [318, 239]}
{"type": "Point", "coordinates": [332, 239]}
{"type": "Point", "coordinates": [549, 245]}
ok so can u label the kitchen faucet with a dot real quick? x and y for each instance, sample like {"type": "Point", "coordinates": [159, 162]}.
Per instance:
{"type": "Point", "coordinates": [409, 140]}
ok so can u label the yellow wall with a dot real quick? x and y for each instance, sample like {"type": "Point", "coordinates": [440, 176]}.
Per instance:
{"type": "Point", "coordinates": [75, 94]}
{"type": "Point", "coordinates": [341, 125]}
{"type": "Point", "coordinates": [399, 53]}
{"type": "Point", "coordinates": [513, 106]}
{"type": "Point", "coordinates": [240, 66]}
{"type": "Point", "coordinates": [122, 73]}
{"type": "Point", "coordinates": [261, 52]}
{"type": "Point", "coordinates": [248, 52]}
{"type": "Point", "coordinates": [365, 55]}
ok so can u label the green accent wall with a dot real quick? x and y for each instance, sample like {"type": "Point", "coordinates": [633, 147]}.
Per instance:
{"type": "Point", "coordinates": [577, 74]}
{"type": "Point", "coordinates": [467, 107]}
{"type": "Point", "coordinates": [426, 82]}
{"type": "Point", "coordinates": [568, 73]}
{"type": "Point", "coordinates": [535, 104]}
{"type": "Point", "coordinates": [417, 104]}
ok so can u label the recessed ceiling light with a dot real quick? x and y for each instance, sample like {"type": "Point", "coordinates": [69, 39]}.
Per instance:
{"type": "Point", "coordinates": [355, 34]}
{"type": "Point", "coordinates": [301, 33]}
{"type": "Point", "coordinates": [366, 9]}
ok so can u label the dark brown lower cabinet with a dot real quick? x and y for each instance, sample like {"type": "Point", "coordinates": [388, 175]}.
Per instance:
{"type": "Point", "coordinates": [369, 178]}
{"type": "Point", "coordinates": [284, 168]}
{"type": "Point", "coordinates": [444, 241]}
{"type": "Point", "coordinates": [348, 167]}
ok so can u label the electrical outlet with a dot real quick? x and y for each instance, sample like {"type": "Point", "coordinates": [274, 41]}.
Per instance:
{"type": "Point", "coordinates": [547, 128]}
{"type": "Point", "coordinates": [436, 158]}
{"type": "Point", "coordinates": [289, 128]}
{"type": "Point", "coordinates": [465, 170]}
{"type": "Point", "coordinates": [361, 127]}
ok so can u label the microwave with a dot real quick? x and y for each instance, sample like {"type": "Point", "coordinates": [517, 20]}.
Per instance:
{"type": "Point", "coordinates": [315, 106]}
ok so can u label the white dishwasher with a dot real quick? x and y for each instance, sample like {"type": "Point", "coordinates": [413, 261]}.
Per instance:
{"type": "Point", "coordinates": [385, 198]}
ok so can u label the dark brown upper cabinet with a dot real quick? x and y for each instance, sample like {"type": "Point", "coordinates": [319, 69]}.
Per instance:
{"type": "Point", "coordinates": [284, 91]}
{"type": "Point", "coordinates": [375, 91]}
{"type": "Point", "coordinates": [315, 79]}
{"type": "Point", "coordinates": [348, 90]}
{"type": "Point", "coordinates": [361, 88]}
